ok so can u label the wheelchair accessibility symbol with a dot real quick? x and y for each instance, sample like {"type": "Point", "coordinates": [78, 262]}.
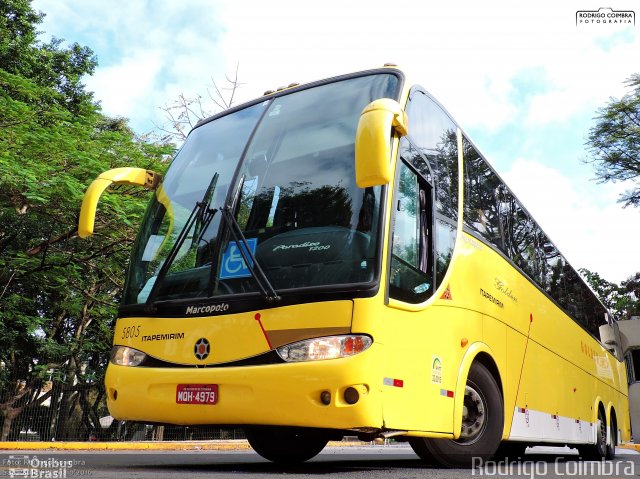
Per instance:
{"type": "Point", "coordinates": [233, 265]}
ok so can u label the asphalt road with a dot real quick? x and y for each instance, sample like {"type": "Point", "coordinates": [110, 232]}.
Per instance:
{"type": "Point", "coordinates": [397, 462]}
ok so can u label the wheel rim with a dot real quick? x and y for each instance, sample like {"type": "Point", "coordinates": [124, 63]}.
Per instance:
{"type": "Point", "coordinates": [474, 415]}
{"type": "Point", "coordinates": [602, 439]}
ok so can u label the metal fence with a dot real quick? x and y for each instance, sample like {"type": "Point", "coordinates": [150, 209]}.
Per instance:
{"type": "Point", "coordinates": [79, 413]}
{"type": "Point", "coordinates": [134, 431]}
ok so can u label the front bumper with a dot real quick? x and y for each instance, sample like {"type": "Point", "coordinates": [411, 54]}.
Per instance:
{"type": "Point", "coordinates": [279, 394]}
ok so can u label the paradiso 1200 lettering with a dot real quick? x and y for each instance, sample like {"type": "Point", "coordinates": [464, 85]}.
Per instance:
{"type": "Point", "coordinates": [312, 246]}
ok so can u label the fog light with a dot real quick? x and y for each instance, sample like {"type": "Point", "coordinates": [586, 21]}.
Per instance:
{"type": "Point", "coordinates": [351, 395]}
{"type": "Point", "coordinates": [325, 398]}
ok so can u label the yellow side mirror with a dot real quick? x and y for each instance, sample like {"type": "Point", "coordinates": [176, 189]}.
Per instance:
{"type": "Point", "coordinates": [118, 176]}
{"type": "Point", "coordinates": [379, 120]}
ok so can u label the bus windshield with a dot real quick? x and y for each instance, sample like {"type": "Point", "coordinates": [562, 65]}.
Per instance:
{"type": "Point", "coordinates": [284, 169]}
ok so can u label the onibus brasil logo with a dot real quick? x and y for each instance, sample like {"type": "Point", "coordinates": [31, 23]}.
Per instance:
{"type": "Point", "coordinates": [49, 467]}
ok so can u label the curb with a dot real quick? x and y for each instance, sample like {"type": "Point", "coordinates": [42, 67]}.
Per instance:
{"type": "Point", "coordinates": [230, 445]}
{"type": "Point", "coordinates": [635, 447]}
{"type": "Point", "coordinates": [215, 445]}
{"type": "Point", "coordinates": [128, 446]}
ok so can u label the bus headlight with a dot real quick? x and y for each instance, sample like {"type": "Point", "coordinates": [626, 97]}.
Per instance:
{"type": "Point", "coordinates": [126, 356]}
{"type": "Point", "coordinates": [329, 347]}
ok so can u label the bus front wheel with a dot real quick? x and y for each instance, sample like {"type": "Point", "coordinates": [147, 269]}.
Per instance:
{"type": "Point", "coordinates": [286, 445]}
{"type": "Point", "coordinates": [482, 425]}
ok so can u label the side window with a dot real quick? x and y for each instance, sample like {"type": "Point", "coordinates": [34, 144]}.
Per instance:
{"type": "Point", "coordinates": [520, 234]}
{"type": "Point", "coordinates": [555, 267]}
{"type": "Point", "coordinates": [445, 241]}
{"type": "Point", "coordinates": [492, 211]}
{"type": "Point", "coordinates": [483, 191]}
{"type": "Point", "coordinates": [434, 134]}
{"type": "Point", "coordinates": [411, 277]}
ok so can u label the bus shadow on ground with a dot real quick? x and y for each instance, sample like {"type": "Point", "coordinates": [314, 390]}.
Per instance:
{"type": "Point", "coordinates": [529, 465]}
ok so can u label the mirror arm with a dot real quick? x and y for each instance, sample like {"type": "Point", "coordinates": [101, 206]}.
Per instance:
{"type": "Point", "coordinates": [118, 176]}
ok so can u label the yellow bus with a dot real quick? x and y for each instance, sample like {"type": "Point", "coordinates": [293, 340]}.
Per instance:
{"type": "Point", "coordinates": [337, 258]}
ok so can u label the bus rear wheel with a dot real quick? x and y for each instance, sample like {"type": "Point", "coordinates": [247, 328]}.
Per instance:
{"type": "Point", "coordinates": [482, 425]}
{"type": "Point", "coordinates": [597, 451]}
{"type": "Point", "coordinates": [286, 445]}
{"type": "Point", "coordinates": [611, 448]}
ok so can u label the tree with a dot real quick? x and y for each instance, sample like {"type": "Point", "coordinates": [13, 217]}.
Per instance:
{"type": "Point", "coordinates": [631, 287]}
{"type": "Point", "coordinates": [185, 112]}
{"type": "Point", "coordinates": [46, 64]}
{"type": "Point", "coordinates": [58, 294]}
{"type": "Point", "coordinates": [614, 142]}
{"type": "Point", "coordinates": [622, 300]}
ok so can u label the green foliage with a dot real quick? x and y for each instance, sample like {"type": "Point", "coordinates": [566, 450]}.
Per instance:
{"type": "Point", "coordinates": [622, 300]}
{"type": "Point", "coordinates": [58, 294]}
{"type": "Point", "coordinates": [18, 26]}
{"type": "Point", "coordinates": [614, 142]}
{"type": "Point", "coordinates": [46, 64]}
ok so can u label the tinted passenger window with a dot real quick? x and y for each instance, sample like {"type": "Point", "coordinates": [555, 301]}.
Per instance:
{"type": "Point", "coordinates": [483, 191]}
{"type": "Point", "coordinates": [434, 154]}
{"type": "Point", "coordinates": [519, 234]}
{"type": "Point", "coordinates": [435, 134]}
{"type": "Point", "coordinates": [496, 215]}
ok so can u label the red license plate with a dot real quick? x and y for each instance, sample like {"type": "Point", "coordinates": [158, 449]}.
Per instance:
{"type": "Point", "coordinates": [197, 394]}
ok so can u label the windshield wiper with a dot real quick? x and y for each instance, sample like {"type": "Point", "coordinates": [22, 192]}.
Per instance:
{"type": "Point", "coordinates": [201, 212]}
{"type": "Point", "coordinates": [266, 288]}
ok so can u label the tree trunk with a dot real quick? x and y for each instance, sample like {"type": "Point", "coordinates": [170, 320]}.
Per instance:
{"type": "Point", "coordinates": [9, 413]}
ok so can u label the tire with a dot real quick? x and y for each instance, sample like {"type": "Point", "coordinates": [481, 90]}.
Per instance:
{"type": "Point", "coordinates": [597, 451]}
{"type": "Point", "coordinates": [611, 448]}
{"type": "Point", "coordinates": [286, 445]}
{"type": "Point", "coordinates": [482, 425]}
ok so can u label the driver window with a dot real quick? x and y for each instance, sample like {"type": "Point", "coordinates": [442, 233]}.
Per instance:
{"type": "Point", "coordinates": [411, 277]}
